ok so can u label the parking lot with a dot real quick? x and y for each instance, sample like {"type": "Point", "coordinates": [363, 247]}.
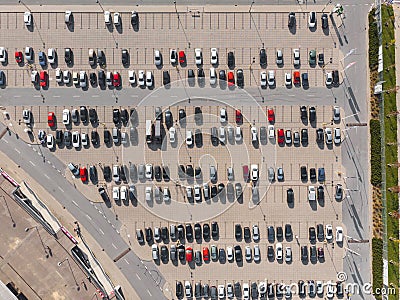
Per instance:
{"type": "Point", "coordinates": [164, 31]}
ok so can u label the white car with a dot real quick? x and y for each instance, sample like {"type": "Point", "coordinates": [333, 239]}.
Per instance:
{"type": "Point", "coordinates": [132, 77]}
{"type": "Point", "coordinates": [238, 134]}
{"type": "Point", "coordinates": [149, 79]}
{"type": "Point", "coordinates": [109, 78]}
{"type": "Point", "coordinates": [66, 117]}
{"type": "Point", "coordinates": [229, 253]}
{"type": "Point", "coordinates": [157, 57]}
{"type": "Point", "coordinates": [149, 171]}
{"type": "Point", "coordinates": [330, 291]}
{"type": "Point", "coordinates": [271, 132]}
{"type": "Point", "coordinates": [311, 193]}
{"type": "Point", "coordinates": [141, 78]}
{"type": "Point", "coordinates": [28, 18]}
{"type": "Point", "coordinates": [117, 19]}
{"type": "Point", "coordinates": [166, 195]}
{"type": "Point", "coordinates": [124, 193]}
{"type": "Point", "coordinates": [27, 116]}
{"type": "Point", "coordinates": [59, 75]}
{"type": "Point", "coordinates": [197, 193]}
{"type": "Point", "coordinates": [85, 139]}
{"type": "Point", "coordinates": [288, 137]}
{"type": "Point", "coordinates": [68, 17]}
{"type": "Point", "coordinates": [3, 55]}
{"type": "Point", "coordinates": [76, 139]}
{"type": "Point", "coordinates": [296, 57]}
{"type": "Point", "coordinates": [116, 193]}
{"type": "Point", "coordinates": [124, 138]}
{"type": "Point", "coordinates": [173, 56]}
{"type": "Point", "coordinates": [248, 254]}
{"type": "Point", "coordinates": [107, 17]}
{"type": "Point", "coordinates": [221, 291]}
{"type": "Point", "coordinates": [222, 136]}
{"type": "Point", "coordinates": [254, 136]}
{"type": "Point", "coordinates": [223, 117]}
{"type": "Point", "coordinates": [172, 132]}
{"type": "Point", "coordinates": [288, 254]}
{"type": "Point", "coordinates": [149, 194]}
{"type": "Point", "coordinates": [51, 55]}
{"type": "Point", "coordinates": [29, 53]}
{"type": "Point", "coordinates": [328, 136]}
{"type": "Point", "coordinates": [50, 141]}
{"type": "Point", "coordinates": [339, 234]}
{"type": "Point", "coordinates": [279, 57]}
{"type": "Point", "coordinates": [288, 79]}
{"type": "Point", "coordinates": [213, 76]}
{"type": "Point", "coordinates": [328, 232]}
{"type": "Point", "coordinates": [188, 289]}
{"type": "Point", "coordinates": [246, 291]}
{"type": "Point", "coordinates": [336, 113]}
{"type": "Point", "coordinates": [82, 79]}
{"type": "Point", "coordinates": [263, 78]}
{"type": "Point", "coordinates": [254, 172]}
{"type": "Point", "coordinates": [312, 19]}
{"type": "Point", "coordinates": [329, 79]}
{"type": "Point", "coordinates": [189, 137]}
{"type": "Point", "coordinates": [66, 76]}
{"type": "Point", "coordinates": [271, 77]}
{"type": "Point", "coordinates": [34, 77]}
{"type": "Point", "coordinates": [75, 78]}
{"type": "Point", "coordinates": [279, 251]}
{"type": "Point", "coordinates": [214, 56]}
{"type": "Point", "coordinates": [337, 136]}
{"type": "Point", "coordinates": [198, 56]}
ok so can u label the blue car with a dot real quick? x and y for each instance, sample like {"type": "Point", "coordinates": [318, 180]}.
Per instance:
{"type": "Point", "coordinates": [321, 174]}
{"type": "Point", "coordinates": [42, 58]}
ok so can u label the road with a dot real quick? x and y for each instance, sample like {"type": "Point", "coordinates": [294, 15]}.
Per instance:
{"type": "Point", "coordinates": [98, 227]}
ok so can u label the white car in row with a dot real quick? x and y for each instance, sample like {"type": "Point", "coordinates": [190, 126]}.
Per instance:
{"type": "Point", "coordinates": [145, 79]}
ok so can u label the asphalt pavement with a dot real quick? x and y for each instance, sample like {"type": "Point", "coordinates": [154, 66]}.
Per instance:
{"type": "Point", "coordinates": [39, 164]}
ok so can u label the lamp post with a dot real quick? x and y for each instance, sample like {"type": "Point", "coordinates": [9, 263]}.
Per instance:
{"type": "Point", "coordinates": [19, 1]}
{"type": "Point", "coordinates": [40, 237]}
{"type": "Point", "coordinates": [327, 3]}
{"type": "Point", "coordinates": [73, 275]}
{"type": "Point", "coordinates": [251, 6]}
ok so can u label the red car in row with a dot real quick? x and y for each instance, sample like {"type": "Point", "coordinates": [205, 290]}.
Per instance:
{"type": "Point", "coordinates": [51, 119]}
{"type": "Point", "coordinates": [43, 78]}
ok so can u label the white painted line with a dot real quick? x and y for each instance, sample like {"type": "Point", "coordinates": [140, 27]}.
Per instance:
{"type": "Point", "coordinates": [87, 216]}
{"type": "Point", "coordinates": [149, 293]}
{"type": "Point", "coordinates": [56, 96]}
{"type": "Point", "coordinates": [5, 141]}
{"type": "Point", "coordinates": [154, 96]}
{"type": "Point", "coordinates": [291, 95]}
{"type": "Point", "coordinates": [95, 96]}
{"type": "Point", "coordinates": [45, 175]}
{"type": "Point", "coordinates": [62, 191]}
{"type": "Point", "coordinates": [76, 96]}
{"type": "Point", "coordinates": [34, 149]}
{"type": "Point", "coordinates": [17, 96]}
{"type": "Point", "coordinates": [127, 262]}
{"type": "Point", "coordinates": [102, 232]}
{"type": "Point", "coordinates": [39, 153]}
{"type": "Point", "coordinates": [49, 162]}
{"type": "Point", "coordinates": [29, 145]}
{"type": "Point", "coordinates": [134, 96]}
{"type": "Point", "coordinates": [75, 203]}
{"type": "Point", "coordinates": [138, 277]}
{"type": "Point", "coordinates": [36, 96]}
{"type": "Point", "coordinates": [32, 163]}
{"type": "Point", "coordinates": [174, 96]}
{"type": "Point", "coordinates": [114, 246]}
{"type": "Point", "coordinates": [16, 150]}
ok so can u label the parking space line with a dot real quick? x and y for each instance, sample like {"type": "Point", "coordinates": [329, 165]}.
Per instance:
{"type": "Point", "coordinates": [32, 163]}
{"type": "Point", "coordinates": [138, 277]}
{"type": "Point", "coordinates": [112, 244]}
{"type": "Point", "coordinates": [62, 191]}
{"type": "Point", "coordinates": [149, 293]}
{"type": "Point", "coordinates": [16, 150]}
{"type": "Point", "coordinates": [45, 175]}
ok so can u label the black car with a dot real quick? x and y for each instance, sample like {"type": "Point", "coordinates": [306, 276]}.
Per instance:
{"type": "Point", "coordinates": [166, 78]}
{"type": "Point", "coordinates": [291, 19]}
{"type": "Point", "coordinates": [313, 174]}
{"type": "Point", "coordinates": [182, 115]}
{"type": "Point", "coordinates": [313, 253]}
{"type": "Point", "coordinates": [222, 75]}
{"type": "Point", "coordinates": [288, 231]}
{"type": "Point", "coordinates": [254, 290]}
{"type": "Point", "coordinates": [197, 172]}
{"type": "Point", "coordinates": [271, 234]}
{"type": "Point", "coordinates": [311, 234]}
{"type": "Point", "coordinates": [304, 136]}
{"type": "Point", "coordinates": [197, 290]}
{"type": "Point", "coordinates": [263, 57]}
{"type": "Point", "coordinates": [238, 253]}
{"type": "Point", "coordinates": [84, 114]}
{"type": "Point", "coordinates": [103, 194]}
{"type": "Point", "coordinates": [312, 114]}
{"type": "Point", "coordinates": [149, 234]}
{"type": "Point", "coordinates": [92, 116]}
{"type": "Point", "coordinates": [190, 171]}
{"type": "Point", "coordinates": [164, 253]}
{"type": "Point", "coordinates": [93, 78]}
{"type": "Point", "coordinates": [246, 233]}
{"type": "Point", "coordinates": [116, 116]}
{"type": "Point", "coordinates": [197, 231]}
{"type": "Point", "coordinates": [169, 120]}
{"type": "Point", "coordinates": [157, 173]}
{"type": "Point", "coordinates": [93, 173]}
{"type": "Point", "coordinates": [320, 193]}
{"type": "Point", "coordinates": [198, 138]}
{"type": "Point", "coordinates": [59, 136]}
{"type": "Point", "coordinates": [240, 77]}
{"type": "Point", "coordinates": [107, 136]}
{"type": "Point", "coordinates": [181, 172]}
{"type": "Point", "coordinates": [67, 138]}
{"type": "Point", "coordinates": [320, 135]}
{"type": "Point", "coordinates": [197, 114]}
{"type": "Point", "coordinates": [238, 231]}
{"type": "Point", "coordinates": [214, 191]}
{"type": "Point", "coordinates": [304, 79]}
{"type": "Point", "coordinates": [324, 19]}
{"type": "Point", "coordinates": [135, 21]}
{"type": "Point", "coordinates": [304, 253]}
{"type": "Point", "coordinates": [321, 60]}
{"type": "Point", "coordinates": [270, 290]}
{"type": "Point", "coordinates": [165, 172]}
{"type": "Point", "coordinates": [279, 233]}
{"type": "Point", "coordinates": [124, 116]}
{"type": "Point", "coordinates": [206, 231]}
{"type": "Point", "coordinates": [101, 78]}
{"type": "Point", "coordinates": [200, 73]}
{"type": "Point", "coordinates": [181, 231]}
{"type": "Point", "coordinates": [270, 252]}
{"type": "Point", "coordinates": [237, 289]}
{"type": "Point", "coordinates": [289, 196]}
{"type": "Point", "coordinates": [191, 74]}
{"type": "Point", "coordinates": [221, 187]}
{"type": "Point", "coordinates": [320, 232]}
{"type": "Point", "coordinates": [303, 173]}
{"type": "Point", "coordinates": [179, 290]}
{"type": "Point", "coordinates": [279, 290]}
{"type": "Point", "coordinates": [68, 55]}
{"type": "Point", "coordinates": [164, 233]}
{"type": "Point", "coordinates": [335, 75]}
{"type": "Point", "coordinates": [214, 230]}
{"type": "Point", "coordinates": [221, 255]}
{"type": "Point", "coordinates": [107, 173]}
{"type": "Point", "coordinates": [189, 232]}
{"type": "Point", "coordinates": [303, 112]}
{"type": "Point", "coordinates": [125, 57]}
{"type": "Point", "coordinates": [181, 252]}
{"type": "Point", "coordinates": [231, 60]}
{"type": "Point", "coordinates": [123, 173]}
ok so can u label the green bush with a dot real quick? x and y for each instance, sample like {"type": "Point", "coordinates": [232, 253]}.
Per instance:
{"type": "Point", "coordinates": [376, 169]}
{"type": "Point", "coordinates": [373, 41]}
{"type": "Point", "coordinates": [377, 265]}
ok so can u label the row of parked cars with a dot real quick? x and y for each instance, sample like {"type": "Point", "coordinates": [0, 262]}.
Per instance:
{"type": "Point", "coordinates": [261, 290]}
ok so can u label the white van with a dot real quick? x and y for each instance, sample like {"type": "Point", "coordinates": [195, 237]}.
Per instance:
{"type": "Point", "coordinates": [116, 171]}
{"type": "Point", "coordinates": [189, 137]}
{"type": "Point", "coordinates": [107, 17]}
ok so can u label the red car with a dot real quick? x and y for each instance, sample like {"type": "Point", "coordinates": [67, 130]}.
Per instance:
{"type": "Point", "coordinates": [271, 115]}
{"type": "Point", "coordinates": [83, 174]}
{"type": "Point", "coordinates": [296, 77]}
{"type": "Point", "coordinates": [181, 57]}
{"type": "Point", "coordinates": [43, 78]}
{"type": "Point", "coordinates": [231, 79]}
{"type": "Point", "coordinates": [281, 136]}
{"type": "Point", "coordinates": [206, 254]}
{"type": "Point", "coordinates": [18, 56]}
{"type": "Point", "coordinates": [189, 254]}
{"type": "Point", "coordinates": [238, 116]}
{"type": "Point", "coordinates": [51, 119]}
{"type": "Point", "coordinates": [116, 79]}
